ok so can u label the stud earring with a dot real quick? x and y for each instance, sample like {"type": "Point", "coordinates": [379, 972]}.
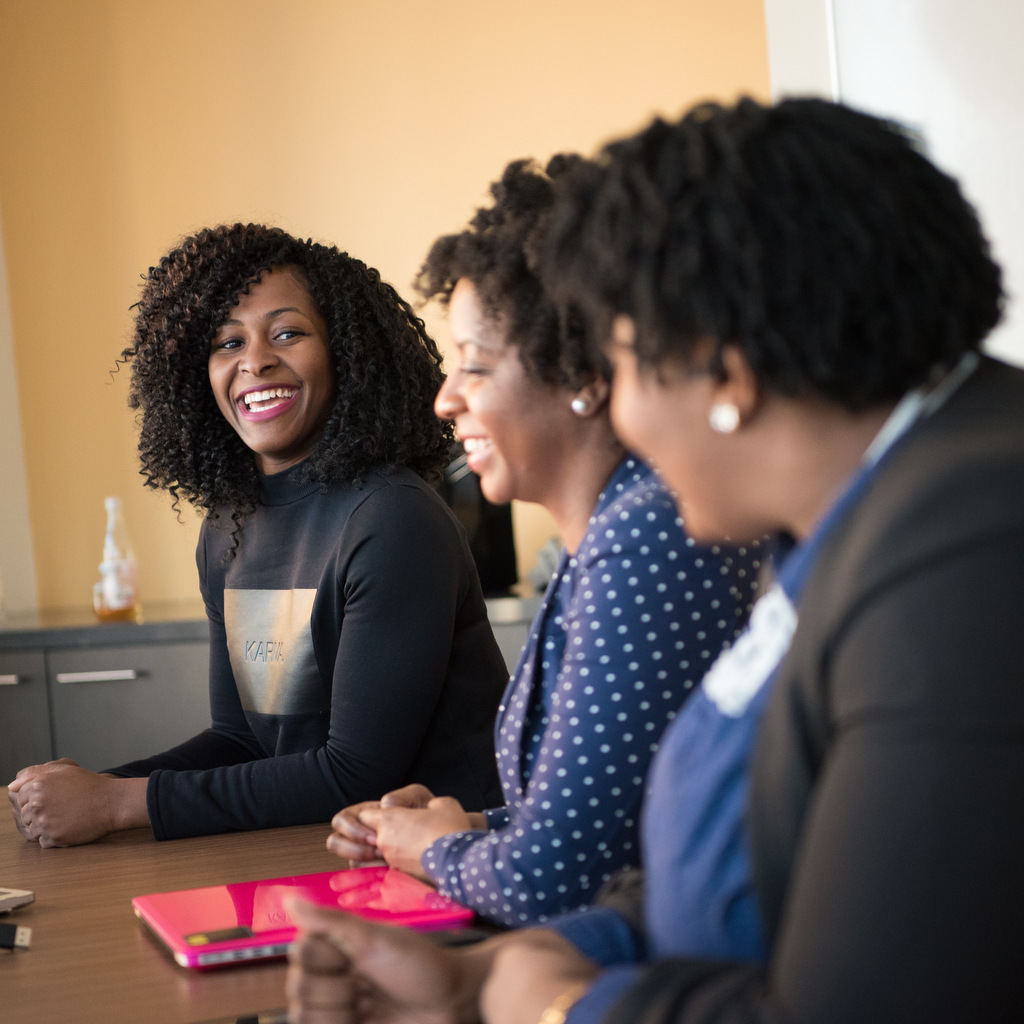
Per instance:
{"type": "Point", "coordinates": [579, 406]}
{"type": "Point", "coordinates": [724, 418]}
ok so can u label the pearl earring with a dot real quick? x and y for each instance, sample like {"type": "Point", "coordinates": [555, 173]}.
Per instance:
{"type": "Point", "coordinates": [724, 418]}
{"type": "Point", "coordinates": [579, 406]}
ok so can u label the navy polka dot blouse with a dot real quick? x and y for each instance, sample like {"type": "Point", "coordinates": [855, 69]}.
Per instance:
{"type": "Point", "coordinates": [626, 630]}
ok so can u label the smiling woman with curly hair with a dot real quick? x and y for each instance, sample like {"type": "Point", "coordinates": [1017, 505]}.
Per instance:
{"type": "Point", "coordinates": [386, 368]}
{"type": "Point", "coordinates": [287, 392]}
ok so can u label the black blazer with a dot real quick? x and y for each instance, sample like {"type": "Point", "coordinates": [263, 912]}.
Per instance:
{"type": "Point", "coordinates": [887, 795]}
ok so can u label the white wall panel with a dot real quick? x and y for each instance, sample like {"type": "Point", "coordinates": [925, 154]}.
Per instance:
{"type": "Point", "coordinates": [949, 68]}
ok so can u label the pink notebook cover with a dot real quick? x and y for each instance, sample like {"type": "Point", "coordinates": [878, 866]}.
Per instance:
{"type": "Point", "coordinates": [245, 921]}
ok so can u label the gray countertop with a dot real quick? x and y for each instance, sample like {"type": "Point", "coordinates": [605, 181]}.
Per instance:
{"type": "Point", "coordinates": [160, 622]}
{"type": "Point", "coordinates": [78, 627]}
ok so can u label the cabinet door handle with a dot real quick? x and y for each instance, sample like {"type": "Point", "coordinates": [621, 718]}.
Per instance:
{"type": "Point", "coordinates": [110, 676]}
{"type": "Point", "coordinates": [9, 680]}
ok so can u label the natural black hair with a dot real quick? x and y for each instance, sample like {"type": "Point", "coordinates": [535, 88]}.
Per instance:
{"type": "Point", "coordinates": [386, 366]}
{"type": "Point", "coordinates": [495, 253]}
{"type": "Point", "coordinates": [816, 238]}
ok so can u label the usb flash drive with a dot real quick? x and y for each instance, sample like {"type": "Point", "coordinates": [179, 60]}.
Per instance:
{"type": "Point", "coordinates": [15, 936]}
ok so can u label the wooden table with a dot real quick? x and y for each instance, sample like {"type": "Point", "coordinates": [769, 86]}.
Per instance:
{"type": "Point", "coordinates": [91, 962]}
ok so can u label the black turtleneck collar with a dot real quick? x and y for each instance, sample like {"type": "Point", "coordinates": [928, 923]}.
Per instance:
{"type": "Point", "coordinates": [287, 486]}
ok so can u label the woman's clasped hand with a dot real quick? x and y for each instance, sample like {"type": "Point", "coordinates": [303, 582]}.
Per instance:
{"type": "Point", "coordinates": [346, 969]}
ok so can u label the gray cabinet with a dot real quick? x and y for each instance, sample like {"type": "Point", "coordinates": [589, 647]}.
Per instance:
{"type": "Point", "coordinates": [101, 705]}
{"type": "Point", "coordinates": [117, 703]}
{"type": "Point", "coordinates": [24, 712]}
{"type": "Point", "coordinates": [510, 619]}
{"type": "Point", "coordinates": [101, 694]}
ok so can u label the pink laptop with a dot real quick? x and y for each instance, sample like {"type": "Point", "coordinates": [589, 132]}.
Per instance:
{"type": "Point", "coordinates": [245, 921]}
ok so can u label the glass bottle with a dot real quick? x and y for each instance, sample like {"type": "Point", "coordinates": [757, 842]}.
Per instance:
{"type": "Point", "coordinates": [115, 596]}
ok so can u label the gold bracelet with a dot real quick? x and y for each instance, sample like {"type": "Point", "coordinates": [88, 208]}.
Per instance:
{"type": "Point", "coordinates": [563, 1003]}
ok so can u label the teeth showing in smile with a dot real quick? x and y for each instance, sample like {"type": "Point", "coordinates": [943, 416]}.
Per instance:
{"type": "Point", "coordinates": [257, 401]}
{"type": "Point", "coordinates": [473, 445]}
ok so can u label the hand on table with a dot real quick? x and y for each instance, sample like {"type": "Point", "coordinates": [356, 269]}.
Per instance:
{"type": "Point", "coordinates": [398, 827]}
{"type": "Point", "coordinates": [344, 969]}
{"type": "Point", "coordinates": [403, 831]}
{"type": "Point", "coordinates": [530, 970]}
{"type": "Point", "coordinates": [62, 804]}
{"type": "Point", "coordinates": [354, 839]}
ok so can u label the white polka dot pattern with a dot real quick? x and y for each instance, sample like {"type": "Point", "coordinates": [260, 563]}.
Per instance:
{"type": "Point", "coordinates": [626, 630]}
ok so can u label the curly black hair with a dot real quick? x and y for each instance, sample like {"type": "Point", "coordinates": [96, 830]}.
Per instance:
{"type": "Point", "coordinates": [818, 239]}
{"type": "Point", "coordinates": [386, 365]}
{"type": "Point", "coordinates": [495, 252]}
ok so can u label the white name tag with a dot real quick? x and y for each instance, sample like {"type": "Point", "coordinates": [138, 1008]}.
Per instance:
{"type": "Point", "coordinates": [740, 672]}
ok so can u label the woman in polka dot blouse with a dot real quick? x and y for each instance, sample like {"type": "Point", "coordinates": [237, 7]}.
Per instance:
{"type": "Point", "coordinates": [634, 615]}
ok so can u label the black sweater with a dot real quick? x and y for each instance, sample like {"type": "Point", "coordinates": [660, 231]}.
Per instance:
{"type": "Point", "coordinates": [350, 653]}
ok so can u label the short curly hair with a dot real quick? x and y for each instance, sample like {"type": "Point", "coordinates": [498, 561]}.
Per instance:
{"type": "Point", "coordinates": [816, 238]}
{"type": "Point", "coordinates": [386, 365]}
{"type": "Point", "coordinates": [495, 252]}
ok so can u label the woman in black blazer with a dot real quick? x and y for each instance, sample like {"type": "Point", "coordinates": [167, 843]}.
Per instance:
{"type": "Point", "coordinates": [794, 299]}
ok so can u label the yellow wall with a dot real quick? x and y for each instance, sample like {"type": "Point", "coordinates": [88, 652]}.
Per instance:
{"type": "Point", "coordinates": [377, 126]}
